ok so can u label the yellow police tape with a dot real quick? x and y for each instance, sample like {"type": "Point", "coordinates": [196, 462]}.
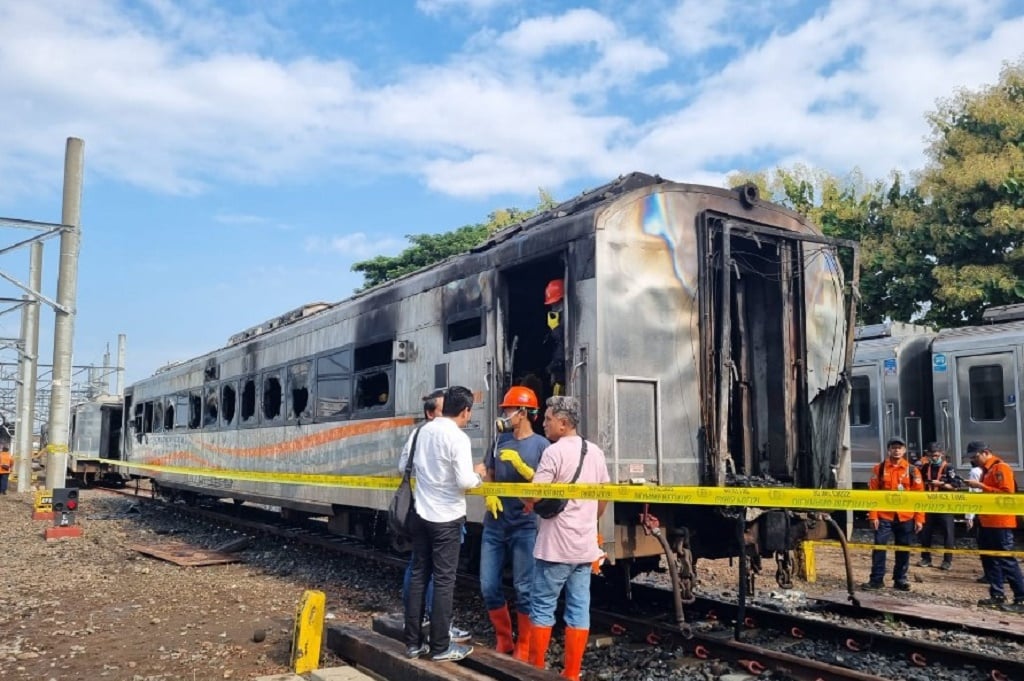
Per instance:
{"type": "Point", "coordinates": [770, 497]}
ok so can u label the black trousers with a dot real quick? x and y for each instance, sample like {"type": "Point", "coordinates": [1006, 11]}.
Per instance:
{"type": "Point", "coordinates": [435, 550]}
{"type": "Point", "coordinates": [942, 525]}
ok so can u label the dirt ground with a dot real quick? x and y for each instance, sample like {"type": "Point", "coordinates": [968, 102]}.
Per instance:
{"type": "Point", "coordinates": [93, 608]}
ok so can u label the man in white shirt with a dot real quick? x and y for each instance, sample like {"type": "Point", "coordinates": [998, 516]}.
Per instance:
{"type": "Point", "coordinates": [443, 468]}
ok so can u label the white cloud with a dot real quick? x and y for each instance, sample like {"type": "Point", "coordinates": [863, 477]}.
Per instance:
{"type": "Point", "coordinates": [471, 6]}
{"type": "Point", "coordinates": [355, 246]}
{"type": "Point", "coordinates": [176, 102]}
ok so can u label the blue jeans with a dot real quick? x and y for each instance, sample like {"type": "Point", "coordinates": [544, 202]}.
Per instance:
{"type": "Point", "coordinates": [548, 580]}
{"type": "Point", "coordinates": [499, 543]}
{"type": "Point", "coordinates": [429, 595]}
{"type": "Point", "coordinates": [1000, 568]}
{"type": "Point", "coordinates": [903, 533]}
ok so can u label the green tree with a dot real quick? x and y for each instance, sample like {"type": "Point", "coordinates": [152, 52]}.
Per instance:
{"type": "Point", "coordinates": [973, 218]}
{"type": "Point", "coordinates": [427, 249]}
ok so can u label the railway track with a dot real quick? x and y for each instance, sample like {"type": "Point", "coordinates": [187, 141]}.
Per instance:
{"type": "Point", "coordinates": [793, 645]}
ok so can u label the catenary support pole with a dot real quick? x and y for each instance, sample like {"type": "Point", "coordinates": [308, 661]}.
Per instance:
{"type": "Point", "coordinates": [119, 390]}
{"type": "Point", "coordinates": [64, 319]}
{"type": "Point", "coordinates": [29, 371]}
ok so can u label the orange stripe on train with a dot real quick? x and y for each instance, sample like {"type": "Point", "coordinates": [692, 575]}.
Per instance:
{"type": "Point", "coordinates": [302, 443]}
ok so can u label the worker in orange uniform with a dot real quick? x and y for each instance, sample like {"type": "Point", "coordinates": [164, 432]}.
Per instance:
{"type": "Point", "coordinates": [895, 473]}
{"type": "Point", "coordinates": [554, 295]}
{"type": "Point", "coordinates": [996, 531]}
{"type": "Point", "coordinates": [510, 531]}
{"type": "Point", "coordinates": [6, 466]}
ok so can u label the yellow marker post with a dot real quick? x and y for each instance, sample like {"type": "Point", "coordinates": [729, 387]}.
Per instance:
{"type": "Point", "coordinates": [805, 558]}
{"type": "Point", "coordinates": [309, 632]}
{"type": "Point", "coordinates": [42, 509]}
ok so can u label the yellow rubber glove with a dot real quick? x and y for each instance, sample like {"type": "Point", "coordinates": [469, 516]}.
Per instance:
{"type": "Point", "coordinates": [494, 505]}
{"type": "Point", "coordinates": [512, 456]}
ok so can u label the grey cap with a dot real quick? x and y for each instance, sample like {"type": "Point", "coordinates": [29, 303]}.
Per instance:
{"type": "Point", "coordinates": [897, 440]}
{"type": "Point", "coordinates": [977, 446]}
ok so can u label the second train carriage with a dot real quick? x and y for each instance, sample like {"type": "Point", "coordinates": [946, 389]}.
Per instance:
{"type": "Point", "coordinates": [705, 332]}
{"type": "Point", "coordinates": [953, 386]}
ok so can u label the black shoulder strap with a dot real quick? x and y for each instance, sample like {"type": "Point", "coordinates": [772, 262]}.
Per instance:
{"type": "Point", "coordinates": [412, 451]}
{"type": "Point", "coordinates": [583, 453]}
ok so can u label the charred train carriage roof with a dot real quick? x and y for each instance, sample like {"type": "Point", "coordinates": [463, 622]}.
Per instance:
{"type": "Point", "coordinates": [549, 232]}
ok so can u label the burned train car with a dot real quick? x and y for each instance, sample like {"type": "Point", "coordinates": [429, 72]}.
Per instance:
{"type": "Point", "coordinates": [706, 332]}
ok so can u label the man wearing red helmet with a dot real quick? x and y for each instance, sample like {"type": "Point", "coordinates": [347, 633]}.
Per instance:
{"type": "Point", "coordinates": [509, 530]}
{"type": "Point", "coordinates": [554, 293]}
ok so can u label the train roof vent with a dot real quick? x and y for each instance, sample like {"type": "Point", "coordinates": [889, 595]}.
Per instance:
{"type": "Point", "coordinates": [888, 330]}
{"type": "Point", "coordinates": [1003, 313]}
{"type": "Point", "coordinates": [289, 317]}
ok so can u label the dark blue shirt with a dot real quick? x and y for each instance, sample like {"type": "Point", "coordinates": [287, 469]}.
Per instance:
{"type": "Point", "coordinates": [529, 450]}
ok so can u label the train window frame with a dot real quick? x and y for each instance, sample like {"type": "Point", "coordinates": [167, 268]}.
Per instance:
{"type": "Point", "coordinates": [458, 322]}
{"type": "Point", "coordinates": [289, 390]}
{"type": "Point", "coordinates": [275, 374]}
{"type": "Point", "coordinates": [180, 411]}
{"type": "Point", "coordinates": [994, 393]}
{"type": "Point", "coordinates": [147, 417]}
{"type": "Point", "coordinates": [367, 367]}
{"type": "Point", "coordinates": [243, 383]}
{"type": "Point", "coordinates": [231, 384]}
{"type": "Point", "coordinates": [867, 395]}
{"type": "Point", "coordinates": [342, 373]}
{"type": "Point", "coordinates": [211, 390]}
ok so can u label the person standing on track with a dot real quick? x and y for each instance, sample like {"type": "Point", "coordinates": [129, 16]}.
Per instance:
{"type": "Point", "coordinates": [443, 467]}
{"type": "Point", "coordinates": [938, 476]}
{"type": "Point", "coordinates": [510, 531]}
{"type": "Point", "coordinates": [897, 474]}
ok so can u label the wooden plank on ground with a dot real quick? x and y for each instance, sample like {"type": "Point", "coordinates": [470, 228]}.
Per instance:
{"type": "Point", "coordinates": [998, 622]}
{"type": "Point", "coordinates": [184, 554]}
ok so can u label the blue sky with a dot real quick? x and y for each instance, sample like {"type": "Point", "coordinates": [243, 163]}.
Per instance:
{"type": "Point", "coordinates": [240, 156]}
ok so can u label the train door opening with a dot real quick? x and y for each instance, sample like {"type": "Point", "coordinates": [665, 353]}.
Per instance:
{"type": "Point", "coordinates": [985, 393]}
{"type": "Point", "coordinates": [752, 338]}
{"type": "Point", "coordinates": [110, 431]}
{"type": "Point", "coordinates": [534, 322]}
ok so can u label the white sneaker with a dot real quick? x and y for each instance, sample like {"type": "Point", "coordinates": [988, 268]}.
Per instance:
{"type": "Point", "coordinates": [459, 635]}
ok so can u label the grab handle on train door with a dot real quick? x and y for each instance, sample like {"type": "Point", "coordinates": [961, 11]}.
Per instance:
{"type": "Point", "coordinates": [890, 418]}
{"type": "Point", "coordinates": [947, 435]}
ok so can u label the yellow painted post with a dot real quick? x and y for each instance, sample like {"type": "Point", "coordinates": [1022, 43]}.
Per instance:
{"type": "Point", "coordinates": [806, 553]}
{"type": "Point", "coordinates": [309, 632]}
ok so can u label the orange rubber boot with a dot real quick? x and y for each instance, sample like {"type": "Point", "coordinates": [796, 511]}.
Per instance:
{"type": "Point", "coordinates": [502, 629]}
{"type": "Point", "coordinates": [575, 644]}
{"type": "Point", "coordinates": [540, 637]}
{"type": "Point", "coordinates": [523, 641]}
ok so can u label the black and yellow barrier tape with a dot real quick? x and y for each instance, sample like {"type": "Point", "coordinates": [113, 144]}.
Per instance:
{"type": "Point", "coordinates": [764, 497]}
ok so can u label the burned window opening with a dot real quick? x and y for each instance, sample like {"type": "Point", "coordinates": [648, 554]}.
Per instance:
{"type": "Point", "coordinates": [158, 410]}
{"type": "Point", "coordinates": [373, 355]}
{"type": "Point", "coordinates": [373, 389]}
{"type": "Point", "coordinates": [168, 415]}
{"type": "Point", "coordinates": [211, 410]}
{"type": "Point", "coordinates": [147, 417]}
{"type": "Point", "coordinates": [298, 390]}
{"type": "Point", "coordinates": [248, 400]}
{"type": "Point", "coordinates": [465, 329]}
{"type": "Point", "coordinates": [227, 401]}
{"type": "Point", "coordinates": [195, 410]}
{"type": "Point", "coordinates": [271, 397]}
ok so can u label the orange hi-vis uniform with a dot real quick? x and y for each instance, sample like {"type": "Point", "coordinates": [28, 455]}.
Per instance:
{"type": "Point", "coordinates": [6, 463]}
{"type": "Point", "coordinates": [899, 476]}
{"type": "Point", "coordinates": [997, 478]}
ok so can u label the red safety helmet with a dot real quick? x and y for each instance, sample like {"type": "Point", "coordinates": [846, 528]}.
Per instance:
{"type": "Point", "coordinates": [554, 291]}
{"type": "Point", "coordinates": [520, 397]}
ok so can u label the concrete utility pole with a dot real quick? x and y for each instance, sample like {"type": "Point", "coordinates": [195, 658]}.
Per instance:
{"type": "Point", "coordinates": [28, 370]}
{"type": "Point", "coordinates": [119, 389]}
{"type": "Point", "coordinates": [64, 315]}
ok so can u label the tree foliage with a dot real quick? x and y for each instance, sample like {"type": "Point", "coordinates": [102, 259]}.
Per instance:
{"type": "Point", "coordinates": [974, 185]}
{"type": "Point", "coordinates": [944, 250]}
{"type": "Point", "coordinates": [427, 249]}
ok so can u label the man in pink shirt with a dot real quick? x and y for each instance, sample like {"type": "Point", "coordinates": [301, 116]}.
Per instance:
{"type": "Point", "coordinates": [567, 543]}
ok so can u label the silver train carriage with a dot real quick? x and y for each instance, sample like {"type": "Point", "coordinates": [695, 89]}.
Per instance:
{"type": "Point", "coordinates": [96, 429]}
{"type": "Point", "coordinates": [952, 387]}
{"type": "Point", "coordinates": [705, 332]}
